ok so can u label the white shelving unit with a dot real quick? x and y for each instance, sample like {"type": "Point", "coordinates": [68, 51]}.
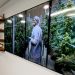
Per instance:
{"type": "Point", "coordinates": [1, 33]}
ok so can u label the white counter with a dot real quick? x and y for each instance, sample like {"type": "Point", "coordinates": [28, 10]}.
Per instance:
{"type": "Point", "coordinates": [14, 65]}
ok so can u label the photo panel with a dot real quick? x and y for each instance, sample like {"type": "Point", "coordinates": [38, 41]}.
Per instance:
{"type": "Point", "coordinates": [26, 35]}
{"type": "Point", "coordinates": [37, 33]}
{"type": "Point", "coordinates": [45, 35]}
{"type": "Point", "coordinates": [62, 31]}
{"type": "Point", "coordinates": [8, 32]}
{"type": "Point", "coordinates": [19, 34]}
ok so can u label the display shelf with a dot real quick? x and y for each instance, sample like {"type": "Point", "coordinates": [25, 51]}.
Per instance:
{"type": "Point", "coordinates": [1, 49]}
{"type": "Point", "coordinates": [2, 19]}
{"type": "Point", "coordinates": [1, 40]}
{"type": "Point", "coordinates": [1, 30]}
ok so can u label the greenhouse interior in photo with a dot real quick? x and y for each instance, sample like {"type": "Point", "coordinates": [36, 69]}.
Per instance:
{"type": "Point", "coordinates": [43, 33]}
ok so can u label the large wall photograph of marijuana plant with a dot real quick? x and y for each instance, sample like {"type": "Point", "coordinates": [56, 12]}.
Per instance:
{"type": "Point", "coordinates": [18, 29]}
{"type": "Point", "coordinates": [57, 21]}
{"type": "Point", "coordinates": [63, 36]}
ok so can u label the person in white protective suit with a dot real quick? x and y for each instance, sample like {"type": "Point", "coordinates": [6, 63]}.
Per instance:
{"type": "Point", "coordinates": [36, 41]}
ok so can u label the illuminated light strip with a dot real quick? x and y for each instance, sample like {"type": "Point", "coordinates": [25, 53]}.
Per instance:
{"type": "Point", "coordinates": [20, 15]}
{"type": "Point", "coordinates": [46, 7]}
{"type": "Point", "coordinates": [71, 14]}
{"type": "Point", "coordinates": [62, 11]}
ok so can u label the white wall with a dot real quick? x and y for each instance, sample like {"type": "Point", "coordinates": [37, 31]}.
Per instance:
{"type": "Point", "coordinates": [16, 6]}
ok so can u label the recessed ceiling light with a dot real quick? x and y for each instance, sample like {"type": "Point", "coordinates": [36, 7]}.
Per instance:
{"type": "Point", "coordinates": [22, 21]}
{"type": "Point", "coordinates": [9, 21]}
{"type": "Point", "coordinates": [46, 7]}
{"type": "Point", "coordinates": [20, 15]}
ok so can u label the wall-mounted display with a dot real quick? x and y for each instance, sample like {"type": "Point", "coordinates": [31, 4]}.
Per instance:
{"type": "Point", "coordinates": [44, 35]}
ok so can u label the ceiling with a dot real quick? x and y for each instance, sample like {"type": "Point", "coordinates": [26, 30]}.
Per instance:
{"type": "Point", "coordinates": [3, 2]}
